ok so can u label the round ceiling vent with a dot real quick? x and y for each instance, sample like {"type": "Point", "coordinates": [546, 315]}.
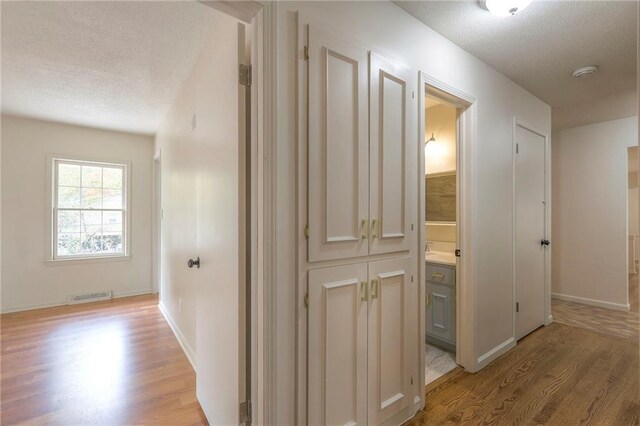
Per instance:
{"type": "Point", "coordinates": [583, 72]}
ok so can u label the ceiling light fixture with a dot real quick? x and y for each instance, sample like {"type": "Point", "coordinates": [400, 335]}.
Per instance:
{"type": "Point", "coordinates": [504, 7]}
{"type": "Point", "coordinates": [585, 71]}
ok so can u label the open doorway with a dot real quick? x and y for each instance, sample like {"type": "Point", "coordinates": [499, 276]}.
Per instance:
{"type": "Point", "coordinates": [440, 151]}
{"type": "Point", "coordinates": [446, 126]}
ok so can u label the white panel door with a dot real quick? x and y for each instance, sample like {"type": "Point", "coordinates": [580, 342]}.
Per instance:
{"type": "Point", "coordinates": [529, 231]}
{"type": "Point", "coordinates": [338, 159]}
{"type": "Point", "coordinates": [219, 132]}
{"type": "Point", "coordinates": [392, 141]}
{"type": "Point", "coordinates": [338, 345]}
{"type": "Point", "coordinates": [390, 338]}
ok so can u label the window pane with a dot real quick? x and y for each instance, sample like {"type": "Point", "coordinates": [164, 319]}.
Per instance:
{"type": "Point", "coordinates": [91, 241]}
{"type": "Point", "coordinates": [111, 222]}
{"type": "Point", "coordinates": [68, 244]}
{"type": "Point", "coordinates": [112, 199]}
{"type": "Point", "coordinates": [112, 178]}
{"type": "Point", "coordinates": [68, 221]}
{"type": "Point", "coordinates": [91, 198]}
{"type": "Point", "coordinates": [69, 197]}
{"type": "Point", "coordinates": [112, 242]}
{"type": "Point", "coordinates": [91, 177]}
{"type": "Point", "coordinates": [68, 175]}
{"type": "Point", "coordinates": [91, 219]}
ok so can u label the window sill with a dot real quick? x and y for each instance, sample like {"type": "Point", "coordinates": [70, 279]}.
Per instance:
{"type": "Point", "coordinates": [85, 260]}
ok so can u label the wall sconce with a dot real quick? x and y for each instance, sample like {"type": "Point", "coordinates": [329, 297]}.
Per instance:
{"type": "Point", "coordinates": [431, 139]}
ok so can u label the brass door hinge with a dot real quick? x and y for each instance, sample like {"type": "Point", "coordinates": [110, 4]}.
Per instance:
{"type": "Point", "coordinates": [306, 232]}
{"type": "Point", "coordinates": [245, 412]}
{"type": "Point", "coordinates": [306, 53]}
{"type": "Point", "coordinates": [306, 300]}
{"type": "Point", "coordinates": [244, 75]}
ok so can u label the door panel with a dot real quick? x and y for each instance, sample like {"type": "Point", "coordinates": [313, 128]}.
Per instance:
{"type": "Point", "coordinates": [441, 311]}
{"type": "Point", "coordinates": [529, 230]}
{"type": "Point", "coordinates": [219, 133]}
{"type": "Point", "coordinates": [392, 138]}
{"type": "Point", "coordinates": [338, 152]}
{"type": "Point", "coordinates": [338, 345]}
{"type": "Point", "coordinates": [389, 352]}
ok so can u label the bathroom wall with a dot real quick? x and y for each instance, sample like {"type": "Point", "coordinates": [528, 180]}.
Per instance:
{"type": "Point", "coordinates": [440, 155]}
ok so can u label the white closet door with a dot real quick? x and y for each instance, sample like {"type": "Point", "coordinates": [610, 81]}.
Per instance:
{"type": "Point", "coordinates": [338, 147]}
{"type": "Point", "coordinates": [530, 230]}
{"type": "Point", "coordinates": [391, 342]}
{"type": "Point", "coordinates": [392, 117]}
{"type": "Point", "coordinates": [338, 345]}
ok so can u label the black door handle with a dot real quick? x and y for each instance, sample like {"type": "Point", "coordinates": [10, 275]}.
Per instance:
{"type": "Point", "coordinates": [545, 242]}
{"type": "Point", "coordinates": [191, 263]}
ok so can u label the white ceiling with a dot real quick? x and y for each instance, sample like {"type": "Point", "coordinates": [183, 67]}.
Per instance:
{"type": "Point", "coordinates": [114, 65]}
{"type": "Point", "coordinates": [541, 46]}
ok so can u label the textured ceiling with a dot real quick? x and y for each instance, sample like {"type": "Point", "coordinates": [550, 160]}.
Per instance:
{"type": "Point", "coordinates": [541, 46]}
{"type": "Point", "coordinates": [114, 65]}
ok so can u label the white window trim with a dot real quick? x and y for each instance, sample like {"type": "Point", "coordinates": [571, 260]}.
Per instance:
{"type": "Point", "coordinates": [50, 218]}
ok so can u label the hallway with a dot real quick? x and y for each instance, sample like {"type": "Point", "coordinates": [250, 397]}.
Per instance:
{"type": "Point", "coordinates": [113, 362]}
{"type": "Point", "coordinates": [584, 366]}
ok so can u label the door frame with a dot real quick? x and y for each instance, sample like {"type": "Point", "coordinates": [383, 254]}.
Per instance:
{"type": "Point", "coordinates": [548, 317]}
{"type": "Point", "coordinates": [465, 200]}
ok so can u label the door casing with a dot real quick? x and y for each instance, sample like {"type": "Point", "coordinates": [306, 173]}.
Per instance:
{"type": "Point", "coordinates": [466, 142]}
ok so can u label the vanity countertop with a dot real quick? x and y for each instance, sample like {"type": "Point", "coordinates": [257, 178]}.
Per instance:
{"type": "Point", "coordinates": [440, 258]}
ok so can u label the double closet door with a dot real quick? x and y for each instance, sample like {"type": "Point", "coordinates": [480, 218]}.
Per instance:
{"type": "Point", "coordinates": [361, 349]}
{"type": "Point", "coordinates": [362, 318]}
{"type": "Point", "coordinates": [361, 129]}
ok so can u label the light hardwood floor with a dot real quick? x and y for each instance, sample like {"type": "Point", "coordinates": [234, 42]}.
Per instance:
{"type": "Point", "coordinates": [114, 363]}
{"type": "Point", "coordinates": [558, 375]}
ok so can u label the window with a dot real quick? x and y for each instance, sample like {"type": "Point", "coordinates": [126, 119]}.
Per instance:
{"type": "Point", "coordinates": [89, 209]}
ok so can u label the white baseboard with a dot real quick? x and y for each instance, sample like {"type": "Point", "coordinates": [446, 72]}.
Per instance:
{"type": "Point", "coordinates": [494, 353]}
{"type": "Point", "coordinates": [116, 295]}
{"type": "Point", "coordinates": [188, 351]}
{"type": "Point", "coordinates": [591, 302]}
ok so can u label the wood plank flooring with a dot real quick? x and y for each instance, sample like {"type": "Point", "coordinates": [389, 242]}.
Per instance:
{"type": "Point", "coordinates": [558, 375]}
{"type": "Point", "coordinates": [615, 323]}
{"type": "Point", "coordinates": [114, 363]}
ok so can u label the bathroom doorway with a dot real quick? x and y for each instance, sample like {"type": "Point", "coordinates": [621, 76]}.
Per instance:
{"type": "Point", "coordinates": [447, 122]}
{"type": "Point", "coordinates": [440, 152]}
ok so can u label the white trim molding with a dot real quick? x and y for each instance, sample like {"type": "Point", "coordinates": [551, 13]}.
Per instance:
{"type": "Point", "coordinates": [494, 353]}
{"type": "Point", "coordinates": [591, 302]}
{"type": "Point", "coordinates": [186, 348]}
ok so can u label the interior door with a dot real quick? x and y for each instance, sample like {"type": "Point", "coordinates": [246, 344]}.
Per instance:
{"type": "Point", "coordinates": [219, 132]}
{"type": "Point", "coordinates": [338, 345]}
{"type": "Point", "coordinates": [529, 230]}
{"type": "Point", "coordinates": [392, 136]}
{"type": "Point", "coordinates": [338, 153]}
{"type": "Point", "coordinates": [390, 342]}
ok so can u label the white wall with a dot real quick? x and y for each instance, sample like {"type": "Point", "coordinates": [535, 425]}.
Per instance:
{"type": "Point", "coordinates": [28, 280]}
{"type": "Point", "coordinates": [395, 33]}
{"type": "Point", "coordinates": [590, 187]}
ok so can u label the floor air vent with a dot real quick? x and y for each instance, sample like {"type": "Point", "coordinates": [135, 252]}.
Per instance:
{"type": "Point", "coordinates": [90, 297]}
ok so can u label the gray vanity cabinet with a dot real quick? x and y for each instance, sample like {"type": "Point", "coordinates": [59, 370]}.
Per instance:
{"type": "Point", "coordinates": [441, 305]}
